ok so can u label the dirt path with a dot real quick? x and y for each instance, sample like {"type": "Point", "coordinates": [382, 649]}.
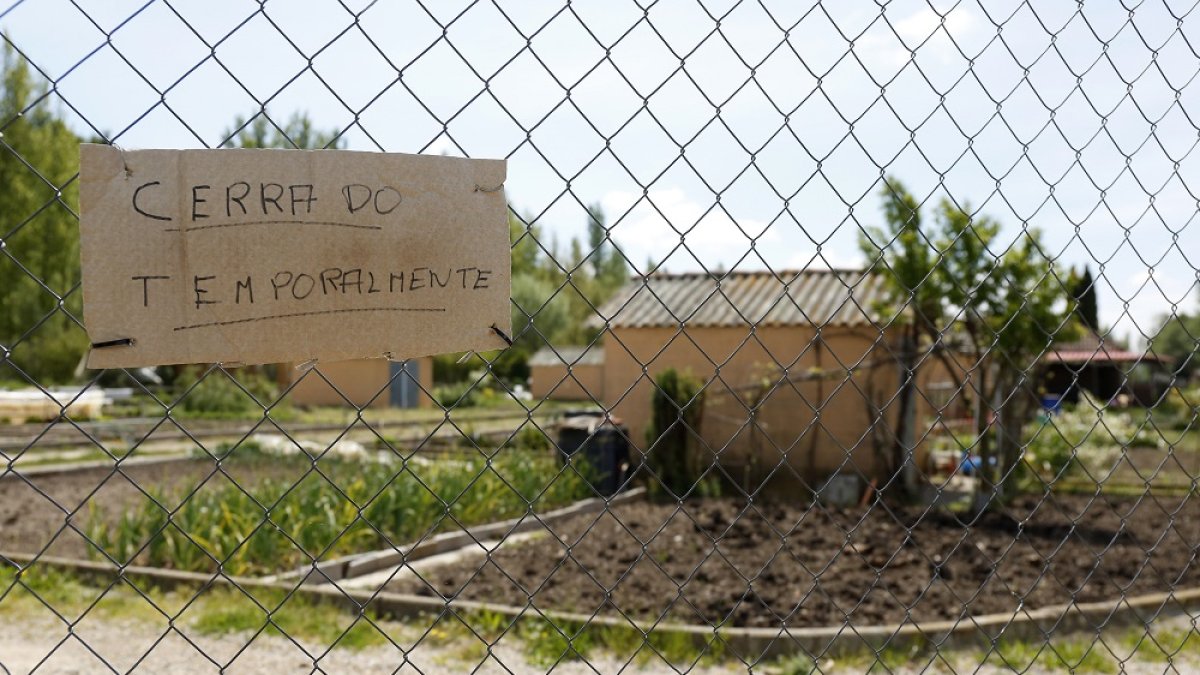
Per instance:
{"type": "Point", "coordinates": [138, 646]}
{"type": "Point", "coordinates": [42, 645]}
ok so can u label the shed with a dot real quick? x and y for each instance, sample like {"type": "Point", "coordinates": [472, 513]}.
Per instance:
{"type": "Point", "coordinates": [364, 382]}
{"type": "Point", "coordinates": [1105, 369]}
{"type": "Point", "coordinates": [573, 373]}
{"type": "Point", "coordinates": [799, 375]}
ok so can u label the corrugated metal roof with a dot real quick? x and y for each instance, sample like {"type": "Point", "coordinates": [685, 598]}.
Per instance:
{"type": "Point", "coordinates": [574, 355]}
{"type": "Point", "coordinates": [805, 298]}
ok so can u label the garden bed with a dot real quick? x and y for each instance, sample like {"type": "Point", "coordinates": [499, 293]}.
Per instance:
{"type": "Point", "coordinates": [337, 508]}
{"type": "Point", "coordinates": [788, 565]}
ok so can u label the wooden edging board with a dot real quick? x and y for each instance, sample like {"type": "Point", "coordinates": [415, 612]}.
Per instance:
{"type": "Point", "coordinates": [359, 564]}
{"type": "Point", "coordinates": [749, 644]}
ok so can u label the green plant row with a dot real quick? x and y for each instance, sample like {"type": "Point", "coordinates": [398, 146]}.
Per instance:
{"type": "Point", "coordinates": [346, 507]}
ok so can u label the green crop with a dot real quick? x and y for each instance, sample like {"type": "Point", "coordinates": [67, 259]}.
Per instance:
{"type": "Point", "coordinates": [336, 507]}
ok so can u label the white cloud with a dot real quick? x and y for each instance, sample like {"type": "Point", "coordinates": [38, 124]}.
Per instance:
{"type": "Point", "coordinates": [828, 258]}
{"type": "Point", "coordinates": [920, 31]}
{"type": "Point", "coordinates": [655, 226]}
{"type": "Point", "coordinates": [1150, 300]}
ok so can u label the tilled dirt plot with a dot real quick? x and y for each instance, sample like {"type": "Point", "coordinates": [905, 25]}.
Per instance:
{"type": "Point", "coordinates": [719, 562]}
{"type": "Point", "coordinates": [48, 512]}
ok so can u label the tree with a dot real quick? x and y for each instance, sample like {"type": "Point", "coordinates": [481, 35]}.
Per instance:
{"type": "Point", "coordinates": [554, 296]}
{"type": "Point", "coordinates": [297, 132]}
{"type": "Point", "coordinates": [1179, 340]}
{"type": "Point", "coordinates": [903, 254]}
{"type": "Point", "coordinates": [1083, 291]}
{"type": "Point", "coordinates": [1004, 304]}
{"type": "Point", "coordinates": [526, 252]}
{"type": "Point", "coordinates": [609, 267]}
{"type": "Point", "coordinates": [674, 454]}
{"type": "Point", "coordinates": [39, 229]}
{"type": "Point", "coordinates": [1011, 305]}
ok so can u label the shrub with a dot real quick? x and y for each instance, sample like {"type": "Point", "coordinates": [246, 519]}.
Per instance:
{"type": "Point", "coordinates": [457, 395]}
{"type": "Point", "coordinates": [485, 393]}
{"type": "Point", "coordinates": [1179, 408]}
{"type": "Point", "coordinates": [532, 438]}
{"type": "Point", "coordinates": [1086, 434]}
{"type": "Point", "coordinates": [673, 436]}
{"type": "Point", "coordinates": [217, 395]}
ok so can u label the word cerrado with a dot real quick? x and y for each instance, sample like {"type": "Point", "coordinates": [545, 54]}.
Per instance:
{"type": "Point", "coordinates": [264, 199]}
{"type": "Point", "coordinates": [291, 286]}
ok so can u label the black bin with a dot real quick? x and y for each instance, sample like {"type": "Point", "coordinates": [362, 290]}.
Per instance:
{"type": "Point", "coordinates": [604, 444]}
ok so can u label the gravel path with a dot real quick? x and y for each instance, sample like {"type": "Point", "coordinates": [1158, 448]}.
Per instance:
{"type": "Point", "coordinates": [138, 646]}
{"type": "Point", "coordinates": [42, 645]}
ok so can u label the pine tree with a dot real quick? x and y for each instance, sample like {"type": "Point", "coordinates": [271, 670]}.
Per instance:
{"type": "Point", "coordinates": [1083, 291]}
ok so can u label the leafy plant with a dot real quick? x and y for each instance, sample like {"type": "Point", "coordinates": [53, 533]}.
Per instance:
{"type": "Point", "coordinates": [274, 523]}
{"type": "Point", "coordinates": [215, 394]}
{"type": "Point", "coordinates": [673, 436]}
{"type": "Point", "coordinates": [531, 437]}
{"type": "Point", "coordinates": [476, 391]}
{"type": "Point", "coordinates": [1087, 434]}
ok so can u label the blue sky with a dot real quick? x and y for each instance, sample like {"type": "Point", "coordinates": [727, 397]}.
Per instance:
{"type": "Point", "coordinates": [1079, 122]}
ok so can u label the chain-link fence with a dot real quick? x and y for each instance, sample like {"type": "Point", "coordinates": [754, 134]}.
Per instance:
{"type": "Point", "coordinates": [848, 337]}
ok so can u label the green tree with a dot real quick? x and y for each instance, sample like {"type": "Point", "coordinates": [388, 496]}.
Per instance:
{"type": "Point", "coordinates": [1008, 304]}
{"type": "Point", "coordinates": [538, 316]}
{"type": "Point", "coordinates": [610, 269]}
{"type": "Point", "coordinates": [904, 255]}
{"type": "Point", "coordinates": [39, 229]}
{"type": "Point", "coordinates": [1083, 290]}
{"type": "Point", "coordinates": [675, 455]}
{"type": "Point", "coordinates": [1179, 340]}
{"type": "Point", "coordinates": [298, 132]}
{"type": "Point", "coordinates": [560, 291]}
{"type": "Point", "coordinates": [1011, 305]}
{"type": "Point", "coordinates": [526, 252]}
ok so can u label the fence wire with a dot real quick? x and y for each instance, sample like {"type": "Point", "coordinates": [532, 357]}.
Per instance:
{"type": "Point", "coordinates": [847, 338]}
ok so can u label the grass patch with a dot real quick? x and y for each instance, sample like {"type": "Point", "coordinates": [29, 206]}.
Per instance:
{"type": "Point", "coordinates": [217, 611]}
{"type": "Point", "coordinates": [1157, 488]}
{"type": "Point", "coordinates": [1160, 646]}
{"type": "Point", "coordinates": [36, 588]}
{"type": "Point", "coordinates": [225, 611]}
{"type": "Point", "coordinates": [1079, 655]}
{"type": "Point", "coordinates": [41, 588]}
{"type": "Point", "coordinates": [793, 664]}
{"type": "Point", "coordinates": [546, 642]}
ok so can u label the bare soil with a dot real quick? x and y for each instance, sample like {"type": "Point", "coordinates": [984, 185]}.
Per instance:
{"type": "Point", "coordinates": [720, 562]}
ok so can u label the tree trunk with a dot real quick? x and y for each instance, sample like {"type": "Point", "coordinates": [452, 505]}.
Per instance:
{"type": "Point", "coordinates": [1017, 414]}
{"type": "Point", "coordinates": [985, 488]}
{"type": "Point", "coordinates": [900, 472]}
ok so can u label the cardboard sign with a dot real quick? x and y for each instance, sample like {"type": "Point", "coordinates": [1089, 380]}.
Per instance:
{"type": "Point", "coordinates": [264, 256]}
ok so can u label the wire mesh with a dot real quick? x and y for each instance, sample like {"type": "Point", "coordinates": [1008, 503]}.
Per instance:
{"type": "Point", "coordinates": [873, 347]}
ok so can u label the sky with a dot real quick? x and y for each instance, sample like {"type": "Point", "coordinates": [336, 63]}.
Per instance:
{"type": "Point", "coordinates": [715, 134]}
